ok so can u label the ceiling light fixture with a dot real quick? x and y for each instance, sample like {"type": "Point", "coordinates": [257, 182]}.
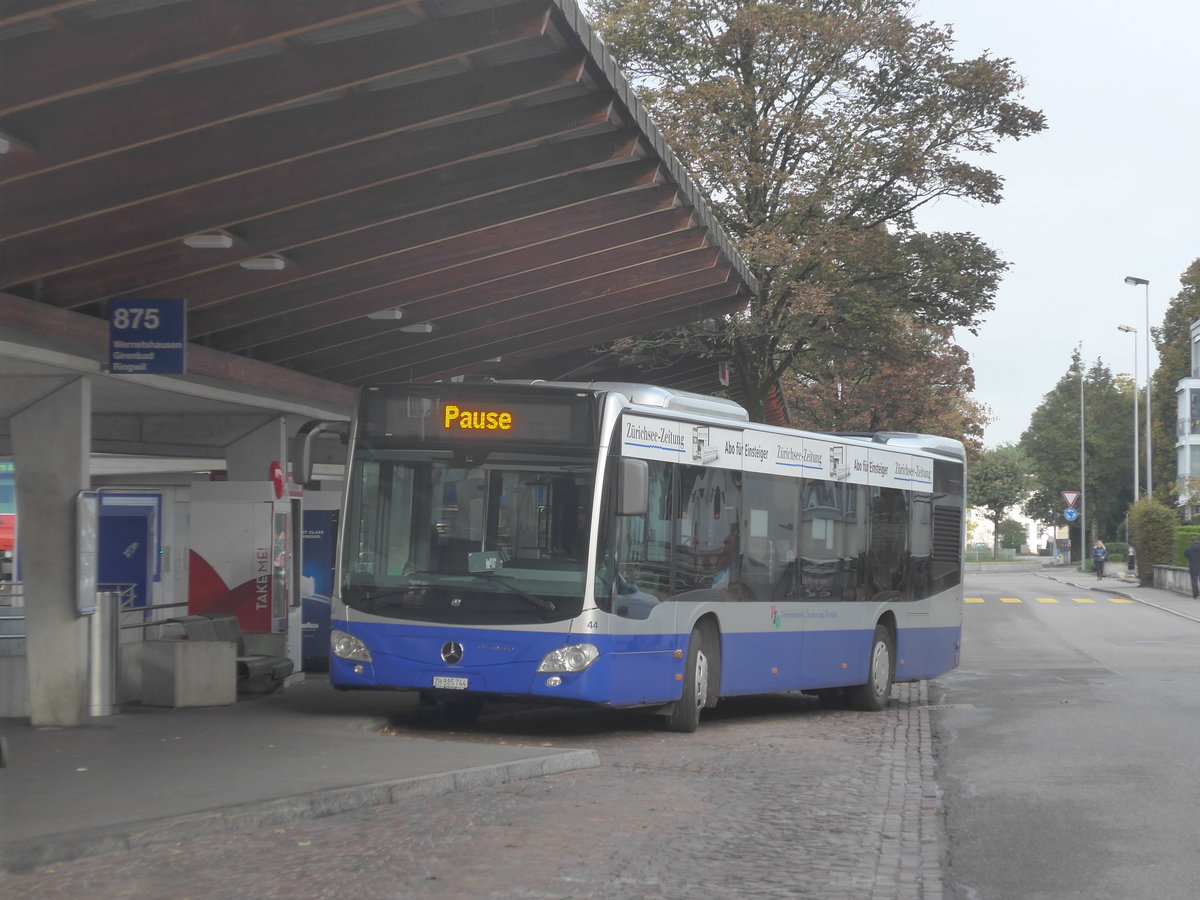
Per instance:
{"type": "Point", "coordinates": [272, 263]}
{"type": "Point", "coordinates": [386, 315]}
{"type": "Point", "coordinates": [212, 240]}
{"type": "Point", "coordinates": [418, 328]}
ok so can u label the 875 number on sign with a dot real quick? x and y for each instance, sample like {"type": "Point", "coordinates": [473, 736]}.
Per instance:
{"type": "Point", "coordinates": [126, 317]}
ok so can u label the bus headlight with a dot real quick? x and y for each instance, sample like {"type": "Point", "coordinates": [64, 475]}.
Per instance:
{"type": "Point", "coordinates": [347, 646]}
{"type": "Point", "coordinates": [572, 658]}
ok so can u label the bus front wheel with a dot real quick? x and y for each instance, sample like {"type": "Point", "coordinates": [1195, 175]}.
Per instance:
{"type": "Point", "coordinates": [685, 713]}
{"type": "Point", "coordinates": [873, 695]}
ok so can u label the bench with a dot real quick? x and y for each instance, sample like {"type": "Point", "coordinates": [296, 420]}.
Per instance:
{"type": "Point", "coordinates": [255, 667]}
{"type": "Point", "coordinates": [259, 670]}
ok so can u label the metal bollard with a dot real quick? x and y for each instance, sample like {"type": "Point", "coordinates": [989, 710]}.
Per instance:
{"type": "Point", "coordinates": [104, 644]}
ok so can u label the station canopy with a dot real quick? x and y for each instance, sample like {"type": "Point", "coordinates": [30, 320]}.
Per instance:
{"type": "Point", "coordinates": [345, 191]}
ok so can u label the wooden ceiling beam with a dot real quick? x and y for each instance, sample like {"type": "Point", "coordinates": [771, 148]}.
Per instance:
{"type": "Point", "coordinates": [598, 286]}
{"type": "Point", "coordinates": [158, 268]}
{"type": "Point", "coordinates": [382, 273]}
{"type": "Point", "coordinates": [314, 349]}
{"type": "Point", "coordinates": [177, 103]}
{"type": "Point", "coordinates": [472, 295]}
{"type": "Point", "coordinates": [13, 12]}
{"type": "Point", "coordinates": [384, 254]}
{"type": "Point", "coordinates": [530, 355]}
{"type": "Point", "coordinates": [540, 324]}
{"type": "Point", "coordinates": [85, 242]}
{"type": "Point", "coordinates": [91, 54]}
{"type": "Point", "coordinates": [298, 149]}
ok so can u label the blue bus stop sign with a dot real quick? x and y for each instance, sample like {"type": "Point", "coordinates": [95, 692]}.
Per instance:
{"type": "Point", "coordinates": [1070, 514]}
{"type": "Point", "coordinates": [146, 337]}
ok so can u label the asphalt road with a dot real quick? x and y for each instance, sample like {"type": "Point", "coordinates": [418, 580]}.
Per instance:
{"type": "Point", "coordinates": [1068, 746]}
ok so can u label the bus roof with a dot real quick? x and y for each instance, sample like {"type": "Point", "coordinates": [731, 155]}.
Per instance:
{"type": "Point", "coordinates": [659, 397]}
{"type": "Point", "coordinates": [719, 407]}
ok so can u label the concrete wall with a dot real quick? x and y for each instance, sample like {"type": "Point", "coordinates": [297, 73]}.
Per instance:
{"type": "Point", "coordinates": [1173, 578]}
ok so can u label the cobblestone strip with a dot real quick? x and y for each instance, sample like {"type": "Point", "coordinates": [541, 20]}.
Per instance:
{"type": "Point", "coordinates": [772, 797]}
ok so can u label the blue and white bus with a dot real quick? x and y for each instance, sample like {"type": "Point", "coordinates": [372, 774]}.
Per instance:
{"type": "Point", "coordinates": [633, 546]}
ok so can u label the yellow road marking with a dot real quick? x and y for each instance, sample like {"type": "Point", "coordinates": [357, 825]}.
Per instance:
{"type": "Point", "coordinates": [1119, 600]}
{"type": "Point", "coordinates": [1009, 600]}
{"type": "Point", "coordinates": [1084, 600]}
{"type": "Point", "coordinates": [972, 599]}
{"type": "Point", "coordinates": [1047, 599]}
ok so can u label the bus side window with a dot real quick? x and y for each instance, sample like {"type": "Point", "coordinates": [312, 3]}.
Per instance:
{"type": "Point", "coordinates": [887, 562]}
{"type": "Point", "coordinates": [769, 562]}
{"type": "Point", "coordinates": [638, 547]}
{"type": "Point", "coordinates": [705, 550]}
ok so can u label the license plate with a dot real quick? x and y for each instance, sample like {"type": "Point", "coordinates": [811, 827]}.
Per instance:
{"type": "Point", "coordinates": [449, 682]}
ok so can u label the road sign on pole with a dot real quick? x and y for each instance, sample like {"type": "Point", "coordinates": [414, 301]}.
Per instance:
{"type": "Point", "coordinates": [1070, 514]}
{"type": "Point", "coordinates": [1070, 497]}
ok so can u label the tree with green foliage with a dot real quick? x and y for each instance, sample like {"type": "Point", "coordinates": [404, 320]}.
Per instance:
{"type": "Point", "coordinates": [1152, 534]}
{"type": "Point", "coordinates": [1012, 534]}
{"type": "Point", "coordinates": [998, 481]}
{"type": "Point", "coordinates": [1174, 344]}
{"type": "Point", "coordinates": [1052, 445]}
{"type": "Point", "coordinates": [816, 129]}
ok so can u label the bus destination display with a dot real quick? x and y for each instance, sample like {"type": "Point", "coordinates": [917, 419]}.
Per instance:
{"type": "Point", "coordinates": [489, 417]}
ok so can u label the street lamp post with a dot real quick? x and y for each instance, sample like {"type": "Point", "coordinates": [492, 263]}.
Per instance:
{"type": "Point", "coordinates": [1133, 280]}
{"type": "Point", "coordinates": [1129, 329]}
{"type": "Point", "coordinates": [1083, 544]}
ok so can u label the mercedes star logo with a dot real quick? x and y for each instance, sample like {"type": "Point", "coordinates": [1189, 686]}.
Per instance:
{"type": "Point", "coordinates": [452, 652]}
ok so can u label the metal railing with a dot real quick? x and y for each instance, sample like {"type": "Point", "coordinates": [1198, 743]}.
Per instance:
{"type": "Point", "coordinates": [12, 620]}
{"type": "Point", "coordinates": [12, 615]}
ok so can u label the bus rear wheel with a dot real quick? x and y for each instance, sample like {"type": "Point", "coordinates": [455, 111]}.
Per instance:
{"type": "Point", "coordinates": [685, 713]}
{"type": "Point", "coordinates": [873, 695]}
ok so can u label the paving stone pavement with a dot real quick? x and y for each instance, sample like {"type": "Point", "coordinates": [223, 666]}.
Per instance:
{"type": "Point", "coordinates": [772, 797]}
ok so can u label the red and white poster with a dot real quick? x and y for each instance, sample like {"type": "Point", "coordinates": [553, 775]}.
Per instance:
{"type": "Point", "coordinates": [239, 560]}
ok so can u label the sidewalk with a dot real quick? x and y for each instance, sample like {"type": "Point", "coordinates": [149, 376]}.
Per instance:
{"type": "Point", "coordinates": [150, 775]}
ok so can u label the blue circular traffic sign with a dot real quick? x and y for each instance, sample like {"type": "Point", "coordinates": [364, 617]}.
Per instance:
{"type": "Point", "coordinates": [1070, 514]}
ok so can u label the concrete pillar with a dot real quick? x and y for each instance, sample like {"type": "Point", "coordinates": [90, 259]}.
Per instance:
{"type": "Point", "coordinates": [250, 457]}
{"type": "Point", "coordinates": [51, 440]}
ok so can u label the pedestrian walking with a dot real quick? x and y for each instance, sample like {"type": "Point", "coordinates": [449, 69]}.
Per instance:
{"type": "Point", "coordinates": [1099, 555]}
{"type": "Point", "coordinates": [1193, 560]}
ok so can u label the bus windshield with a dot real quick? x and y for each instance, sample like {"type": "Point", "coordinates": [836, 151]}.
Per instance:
{"type": "Point", "coordinates": [447, 536]}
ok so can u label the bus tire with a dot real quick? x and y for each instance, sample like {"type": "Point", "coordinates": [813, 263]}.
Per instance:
{"type": "Point", "coordinates": [873, 695]}
{"type": "Point", "coordinates": [697, 682]}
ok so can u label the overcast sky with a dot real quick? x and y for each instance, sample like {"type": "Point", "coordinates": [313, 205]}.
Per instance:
{"type": "Point", "coordinates": [1111, 188]}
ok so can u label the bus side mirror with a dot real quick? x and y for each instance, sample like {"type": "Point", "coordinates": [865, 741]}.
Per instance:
{"type": "Point", "coordinates": [304, 445]}
{"type": "Point", "coordinates": [635, 488]}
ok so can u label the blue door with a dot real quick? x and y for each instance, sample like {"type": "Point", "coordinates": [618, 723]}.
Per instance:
{"type": "Point", "coordinates": [124, 552]}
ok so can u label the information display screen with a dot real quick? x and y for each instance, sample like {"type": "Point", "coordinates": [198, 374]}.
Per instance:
{"type": "Point", "coordinates": [453, 414]}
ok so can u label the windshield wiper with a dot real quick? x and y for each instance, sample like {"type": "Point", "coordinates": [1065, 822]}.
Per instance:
{"type": "Point", "coordinates": [540, 602]}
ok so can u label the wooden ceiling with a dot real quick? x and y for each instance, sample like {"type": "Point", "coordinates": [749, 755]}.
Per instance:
{"type": "Point", "coordinates": [477, 170]}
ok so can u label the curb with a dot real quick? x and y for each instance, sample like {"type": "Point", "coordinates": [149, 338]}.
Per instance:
{"type": "Point", "coordinates": [29, 853]}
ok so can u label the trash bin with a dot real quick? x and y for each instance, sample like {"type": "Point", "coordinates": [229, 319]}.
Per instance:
{"type": "Point", "coordinates": [104, 647]}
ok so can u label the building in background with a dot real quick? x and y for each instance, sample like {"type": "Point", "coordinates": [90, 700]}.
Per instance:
{"type": "Point", "coordinates": [1187, 433]}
